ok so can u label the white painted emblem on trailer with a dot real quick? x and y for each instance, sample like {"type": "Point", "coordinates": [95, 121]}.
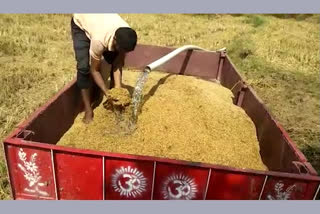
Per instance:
{"type": "Point", "coordinates": [179, 187]}
{"type": "Point", "coordinates": [280, 193]}
{"type": "Point", "coordinates": [31, 173]}
{"type": "Point", "coordinates": [129, 182]}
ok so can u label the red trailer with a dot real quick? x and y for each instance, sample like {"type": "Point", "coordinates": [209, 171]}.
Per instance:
{"type": "Point", "coordinates": [39, 169]}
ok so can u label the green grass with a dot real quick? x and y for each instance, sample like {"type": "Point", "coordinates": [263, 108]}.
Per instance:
{"type": "Point", "coordinates": [4, 182]}
{"type": "Point", "coordinates": [277, 54]}
{"type": "Point", "coordinates": [255, 20]}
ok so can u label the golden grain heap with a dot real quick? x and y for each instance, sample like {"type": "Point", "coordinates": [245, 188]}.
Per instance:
{"type": "Point", "coordinates": [118, 97]}
{"type": "Point", "coordinates": [182, 118]}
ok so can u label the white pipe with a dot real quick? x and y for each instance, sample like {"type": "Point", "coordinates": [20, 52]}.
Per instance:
{"type": "Point", "coordinates": [172, 54]}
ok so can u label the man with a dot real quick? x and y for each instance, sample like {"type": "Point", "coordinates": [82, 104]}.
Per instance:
{"type": "Point", "coordinates": [99, 40]}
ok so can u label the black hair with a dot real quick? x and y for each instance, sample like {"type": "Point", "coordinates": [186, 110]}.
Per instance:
{"type": "Point", "coordinates": [126, 38]}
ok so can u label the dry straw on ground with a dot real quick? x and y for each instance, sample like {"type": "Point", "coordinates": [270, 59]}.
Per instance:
{"type": "Point", "coordinates": [182, 118]}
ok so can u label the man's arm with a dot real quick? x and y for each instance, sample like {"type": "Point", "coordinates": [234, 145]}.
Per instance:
{"type": "Point", "coordinates": [117, 73]}
{"type": "Point", "coordinates": [94, 69]}
{"type": "Point", "coordinates": [117, 76]}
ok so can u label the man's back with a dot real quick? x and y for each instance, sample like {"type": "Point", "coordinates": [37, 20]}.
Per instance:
{"type": "Point", "coordinates": [100, 27]}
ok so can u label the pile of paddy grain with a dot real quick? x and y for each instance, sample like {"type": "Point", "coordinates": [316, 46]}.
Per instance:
{"type": "Point", "coordinates": [117, 98]}
{"type": "Point", "coordinates": [182, 118]}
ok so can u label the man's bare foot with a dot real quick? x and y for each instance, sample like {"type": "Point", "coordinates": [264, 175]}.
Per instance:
{"type": "Point", "coordinates": [88, 117]}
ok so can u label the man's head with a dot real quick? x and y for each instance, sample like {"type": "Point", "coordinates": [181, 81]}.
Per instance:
{"type": "Point", "coordinates": [125, 39]}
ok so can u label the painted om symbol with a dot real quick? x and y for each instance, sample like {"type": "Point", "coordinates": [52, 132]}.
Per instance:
{"type": "Point", "coordinates": [133, 183]}
{"type": "Point", "coordinates": [182, 189]}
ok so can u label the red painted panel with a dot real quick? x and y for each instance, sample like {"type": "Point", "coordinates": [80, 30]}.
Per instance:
{"type": "Point", "coordinates": [230, 78]}
{"type": "Point", "coordinates": [128, 180]}
{"type": "Point", "coordinates": [224, 185]}
{"type": "Point", "coordinates": [79, 177]}
{"type": "Point", "coordinates": [31, 172]}
{"type": "Point", "coordinates": [67, 104]}
{"type": "Point", "coordinates": [196, 63]}
{"type": "Point", "coordinates": [289, 189]}
{"type": "Point", "coordinates": [175, 182]}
